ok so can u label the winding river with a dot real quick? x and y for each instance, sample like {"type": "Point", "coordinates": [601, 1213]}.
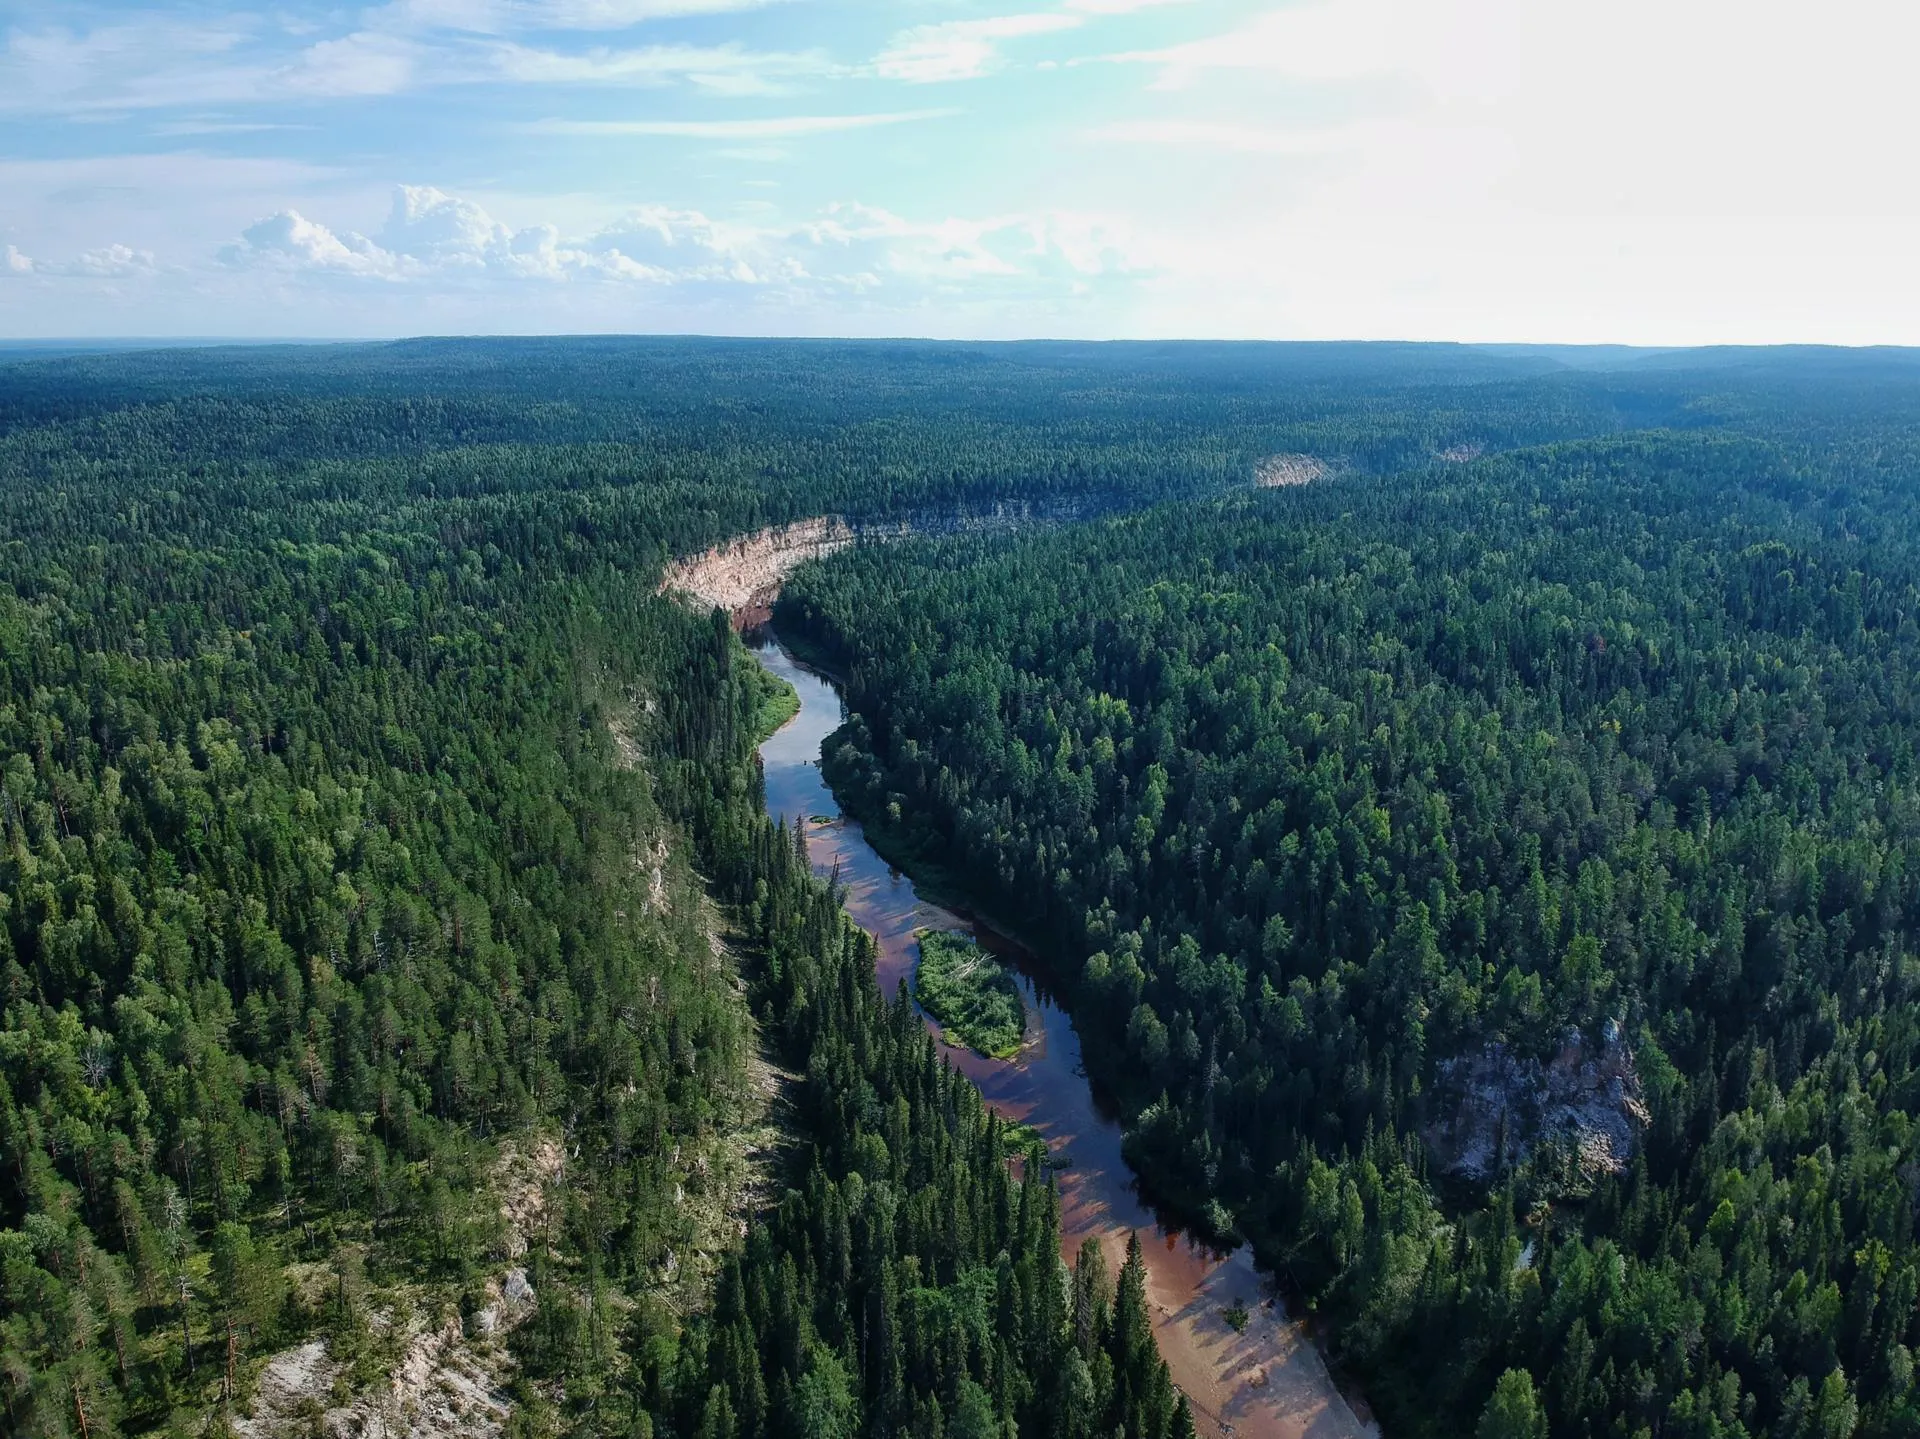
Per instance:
{"type": "Point", "coordinates": [1269, 1380]}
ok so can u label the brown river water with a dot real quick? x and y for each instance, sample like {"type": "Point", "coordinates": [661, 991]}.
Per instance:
{"type": "Point", "coordinates": [1269, 1380]}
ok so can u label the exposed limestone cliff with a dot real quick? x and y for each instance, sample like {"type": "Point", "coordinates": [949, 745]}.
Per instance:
{"type": "Point", "coordinates": [744, 576]}
{"type": "Point", "coordinates": [1495, 1109]}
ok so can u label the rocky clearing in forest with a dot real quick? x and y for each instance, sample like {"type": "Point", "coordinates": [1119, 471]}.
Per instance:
{"type": "Point", "coordinates": [1277, 471]}
{"type": "Point", "coordinates": [1496, 1108]}
{"type": "Point", "coordinates": [445, 1378]}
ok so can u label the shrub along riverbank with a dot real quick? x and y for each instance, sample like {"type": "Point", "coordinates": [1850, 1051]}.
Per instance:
{"type": "Point", "coordinates": [972, 995]}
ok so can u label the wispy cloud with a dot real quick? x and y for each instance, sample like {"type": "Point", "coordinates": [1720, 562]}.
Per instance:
{"type": "Point", "coordinates": [1335, 40]}
{"type": "Point", "coordinates": [131, 65]}
{"type": "Point", "coordinates": [161, 60]}
{"type": "Point", "coordinates": [968, 49]}
{"type": "Point", "coordinates": [367, 62]}
{"type": "Point", "coordinates": [1119, 7]}
{"type": "Point", "coordinates": [158, 64]}
{"type": "Point", "coordinates": [502, 17]}
{"type": "Point", "coordinates": [184, 129]}
{"type": "Point", "coordinates": [961, 49]}
{"type": "Point", "coordinates": [1224, 136]}
{"type": "Point", "coordinates": [724, 69]}
{"type": "Point", "coordinates": [767, 128]}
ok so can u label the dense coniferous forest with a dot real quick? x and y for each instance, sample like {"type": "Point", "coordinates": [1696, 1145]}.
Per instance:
{"type": "Point", "coordinates": [1337, 801]}
{"type": "Point", "coordinates": [341, 727]}
{"type": "Point", "coordinates": [367, 825]}
{"type": "Point", "coordinates": [910, 1281]}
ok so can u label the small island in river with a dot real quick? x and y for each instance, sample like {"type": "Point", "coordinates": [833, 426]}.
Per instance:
{"type": "Point", "coordinates": [970, 993]}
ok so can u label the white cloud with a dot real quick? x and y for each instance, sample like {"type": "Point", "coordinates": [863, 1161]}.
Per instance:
{"type": "Point", "coordinates": [1651, 109]}
{"type": "Point", "coordinates": [866, 245]}
{"type": "Point", "coordinates": [429, 225]}
{"type": "Point", "coordinates": [500, 17]}
{"type": "Point", "coordinates": [366, 62]}
{"type": "Point", "coordinates": [1330, 40]}
{"type": "Point", "coordinates": [1225, 137]}
{"type": "Point", "coordinates": [187, 129]}
{"type": "Point", "coordinates": [962, 49]}
{"type": "Point", "coordinates": [107, 262]}
{"type": "Point", "coordinates": [1501, 169]}
{"type": "Point", "coordinates": [722, 69]}
{"type": "Point", "coordinates": [770, 127]}
{"type": "Point", "coordinates": [969, 49]}
{"type": "Point", "coordinates": [177, 205]}
{"type": "Point", "coordinates": [290, 241]}
{"type": "Point", "coordinates": [436, 239]}
{"type": "Point", "coordinates": [433, 236]}
{"type": "Point", "coordinates": [157, 64]}
{"type": "Point", "coordinates": [131, 65]}
{"type": "Point", "coordinates": [111, 262]}
{"type": "Point", "coordinates": [1464, 168]}
{"type": "Point", "coordinates": [1119, 7]}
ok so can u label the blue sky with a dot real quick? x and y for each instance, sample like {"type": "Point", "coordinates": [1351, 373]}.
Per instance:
{"type": "Point", "coordinates": [1661, 171]}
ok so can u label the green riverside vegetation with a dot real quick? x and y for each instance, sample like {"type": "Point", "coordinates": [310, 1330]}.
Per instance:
{"type": "Point", "coordinates": [970, 993]}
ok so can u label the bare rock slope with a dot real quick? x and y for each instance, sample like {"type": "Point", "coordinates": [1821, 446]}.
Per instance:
{"type": "Point", "coordinates": [1496, 1108]}
{"type": "Point", "coordinates": [1276, 471]}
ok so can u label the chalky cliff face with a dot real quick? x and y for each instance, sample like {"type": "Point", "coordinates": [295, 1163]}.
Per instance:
{"type": "Point", "coordinates": [744, 577]}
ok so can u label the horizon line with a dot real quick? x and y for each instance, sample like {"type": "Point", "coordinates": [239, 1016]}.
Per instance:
{"type": "Point", "coordinates": [202, 341]}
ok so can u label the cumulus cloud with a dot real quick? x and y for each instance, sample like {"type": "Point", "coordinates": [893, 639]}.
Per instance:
{"type": "Point", "coordinates": [847, 250]}
{"type": "Point", "coordinates": [430, 234]}
{"type": "Point", "coordinates": [290, 241]}
{"type": "Point", "coordinates": [437, 229]}
{"type": "Point", "coordinates": [108, 262]}
{"type": "Point", "coordinates": [112, 262]}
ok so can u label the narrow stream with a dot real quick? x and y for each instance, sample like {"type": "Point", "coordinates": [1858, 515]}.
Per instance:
{"type": "Point", "coordinates": [1267, 1381]}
